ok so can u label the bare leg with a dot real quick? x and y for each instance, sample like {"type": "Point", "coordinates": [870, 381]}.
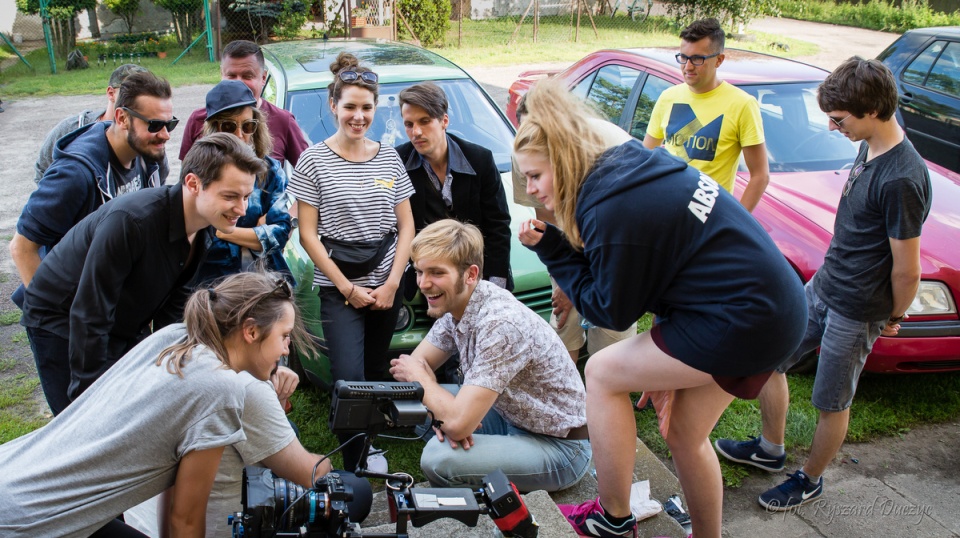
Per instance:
{"type": "Point", "coordinates": [774, 402]}
{"type": "Point", "coordinates": [633, 365]}
{"type": "Point", "coordinates": [827, 440]}
{"type": "Point", "coordinates": [695, 411]}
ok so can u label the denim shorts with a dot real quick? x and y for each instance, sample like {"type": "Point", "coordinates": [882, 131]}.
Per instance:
{"type": "Point", "coordinates": [844, 346]}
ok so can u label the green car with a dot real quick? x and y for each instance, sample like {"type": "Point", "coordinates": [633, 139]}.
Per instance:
{"type": "Point", "coordinates": [299, 73]}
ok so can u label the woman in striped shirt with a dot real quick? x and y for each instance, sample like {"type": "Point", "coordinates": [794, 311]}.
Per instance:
{"type": "Point", "coordinates": [353, 189]}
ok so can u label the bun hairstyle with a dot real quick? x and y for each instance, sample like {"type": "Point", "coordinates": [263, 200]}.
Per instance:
{"type": "Point", "coordinates": [348, 62]}
{"type": "Point", "coordinates": [213, 314]}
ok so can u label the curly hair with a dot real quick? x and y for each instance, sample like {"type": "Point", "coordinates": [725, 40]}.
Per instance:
{"type": "Point", "coordinates": [348, 62]}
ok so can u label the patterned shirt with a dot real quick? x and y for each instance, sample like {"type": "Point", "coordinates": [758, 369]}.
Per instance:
{"type": "Point", "coordinates": [508, 348]}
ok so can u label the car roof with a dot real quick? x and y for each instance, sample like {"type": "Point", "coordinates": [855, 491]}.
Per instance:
{"type": "Point", "coordinates": [306, 64]}
{"type": "Point", "coordinates": [952, 31]}
{"type": "Point", "coordinates": [741, 66]}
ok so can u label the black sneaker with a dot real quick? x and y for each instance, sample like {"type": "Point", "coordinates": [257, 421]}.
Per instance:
{"type": "Point", "coordinates": [795, 491]}
{"type": "Point", "coordinates": [750, 453]}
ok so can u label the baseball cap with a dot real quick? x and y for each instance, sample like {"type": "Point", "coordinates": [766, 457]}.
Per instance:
{"type": "Point", "coordinates": [228, 94]}
{"type": "Point", "coordinates": [124, 71]}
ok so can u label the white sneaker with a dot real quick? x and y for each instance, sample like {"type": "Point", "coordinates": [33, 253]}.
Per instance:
{"type": "Point", "coordinates": [376, 462]}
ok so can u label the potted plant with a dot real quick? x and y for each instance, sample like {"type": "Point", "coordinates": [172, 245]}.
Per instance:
{"type": "Point", "coordinates": [358, 16]}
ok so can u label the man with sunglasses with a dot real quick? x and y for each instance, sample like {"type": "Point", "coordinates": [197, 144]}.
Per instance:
{"type": "Point", "coordinates": [75, 121]}
{"type": "Point", "coordinates": [705, 121]}
{"type": "Point", "coordinates": [95, 164]}
{"type": "Point", "coordinates": [126, 267]}
{"type": "Point", "coordinates": [243, 60]}
{"type": "Point", "coordinates": [868, 280]}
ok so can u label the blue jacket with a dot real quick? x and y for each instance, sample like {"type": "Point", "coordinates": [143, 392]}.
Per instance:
{"type": "Point", "coordinates": [267, 200]}
{"type": "Point", "coordinates": [74, 186]}
{"type": "Point", "coordinates": [661, 237]}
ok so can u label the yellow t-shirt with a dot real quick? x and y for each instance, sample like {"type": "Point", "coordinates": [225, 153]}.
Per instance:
{"type": "Point", "coordinates": [707, 130]}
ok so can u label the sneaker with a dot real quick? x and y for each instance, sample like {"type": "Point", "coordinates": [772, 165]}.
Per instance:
{"type": "Point", "coordinates": [749, 452]}
{"type": "Point", "coordinates": [795, 491]}
{"type": "Point", "coordinates": [376, 462]}
{"type": "Point", "coordinates": [589, 520]}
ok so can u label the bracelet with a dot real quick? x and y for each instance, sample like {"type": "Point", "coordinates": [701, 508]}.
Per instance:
{"type": "Point", "coordinates": [897, 319]}
{"type": "Point", "coordinates": [353, 289]}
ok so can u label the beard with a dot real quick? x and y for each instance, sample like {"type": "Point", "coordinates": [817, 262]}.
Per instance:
{"type": "Point", "coordinates": [458, 288]}
{"type": "Point", "coordinates": [142, 146]}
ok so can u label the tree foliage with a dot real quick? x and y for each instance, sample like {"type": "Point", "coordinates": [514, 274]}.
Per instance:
{"type": "Point", "coordinates": [62, 14]}
{"type": "Point", "coordinates": [729, 12]}
{"type": "Point", "coordinates": [187, 18]}
{"type": "Point", "coordinates": [125, 9]}
{"type": "Point", "coordinates": [429, 20]}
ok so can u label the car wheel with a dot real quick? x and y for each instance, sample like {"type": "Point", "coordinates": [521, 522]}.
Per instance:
{"type": "Point", "coordinates": [807, 364]}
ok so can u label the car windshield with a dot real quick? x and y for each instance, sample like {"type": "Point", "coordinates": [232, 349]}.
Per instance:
{"type": "Point", "coordinates": [796, 130]}
{"type": "Point", "coordinates": [472, 117]}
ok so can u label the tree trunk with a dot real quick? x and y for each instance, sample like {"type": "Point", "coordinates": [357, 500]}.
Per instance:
{"type": "Point", "coordinates": [94, 23]}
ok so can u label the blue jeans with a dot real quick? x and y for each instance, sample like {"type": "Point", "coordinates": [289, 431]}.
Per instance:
{"type": "Point", "coordinates": [51, 353]}
{"type": "Point", "coordinates": [844, 346]}
{"type": "Point", "coordinates": [531, 461]}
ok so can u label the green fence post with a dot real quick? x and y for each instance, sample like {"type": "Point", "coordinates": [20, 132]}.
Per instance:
{"type": "Point", "coordinates": [15, 51]}
{"type": "Point", "coordinates": [45, 17]}
{"type": "Point", "coordinates": [209, 28]}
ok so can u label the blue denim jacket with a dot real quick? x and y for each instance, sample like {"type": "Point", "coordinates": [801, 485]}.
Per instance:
{"type": "Point", "coordinates": [271, 199]}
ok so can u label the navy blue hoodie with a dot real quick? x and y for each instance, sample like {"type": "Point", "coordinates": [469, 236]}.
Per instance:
{"type": "Point", "coordinates": [661, 237]}
{"type": "Point", "coordinates": [74, 186]}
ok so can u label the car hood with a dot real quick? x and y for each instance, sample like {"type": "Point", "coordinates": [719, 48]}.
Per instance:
{"type": "Point", "coordinates": [814, 196]}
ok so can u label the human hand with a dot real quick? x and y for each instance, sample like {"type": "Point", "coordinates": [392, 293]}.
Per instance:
{"type": "Point", "coordinates": [464, 443]}
{"type": "Point", "coordinates": [284, 381]}
{"type": "Point", "coordinates": [561, 306]}
{"type": "Point", "coordinates": [408, 369]}
{"type": "Point", "coordinates": [892, 329]}
{"type": "Point", "coordinates": [383, 296]}
{"type": "Point", "coordinates": [531, 232]}
{"type": "Point", "coordinates": [359, 296]}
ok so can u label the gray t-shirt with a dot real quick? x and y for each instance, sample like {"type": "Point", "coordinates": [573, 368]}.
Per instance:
{"type": "Point", "coordinates": [120, 442]}
{"type": "Point", "coordinates": [67, 125]}
{"type": "Point", "coordinates": [268, 432]}
{"type": "Point", "coordinates": [508, 348]}
{"type": "Point", "coordinates": [886, 197]}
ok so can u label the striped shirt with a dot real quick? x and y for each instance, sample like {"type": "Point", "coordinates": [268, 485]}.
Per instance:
{"type": "Point", "coordinates": [355, 201]}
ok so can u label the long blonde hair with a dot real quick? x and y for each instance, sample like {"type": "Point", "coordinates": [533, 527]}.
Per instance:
{"type": "Point", "coordinates": [558, 126]}
{"type": "Point", "coordinates": [212, 314]}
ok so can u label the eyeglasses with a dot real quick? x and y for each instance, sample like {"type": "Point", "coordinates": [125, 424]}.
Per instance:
{"type": "Point", "coordinates": [839, 123]}
{"type": "Point", "coordinates": [230, 126]}
{"type": "Point", "coordinates": [367, 76]}
{"type": "Point", "coordinates": [682, 59]}
{"type": "Point", "coordinates": [153, 126]}
{"type": "Point", "coordinates": [854, 174]}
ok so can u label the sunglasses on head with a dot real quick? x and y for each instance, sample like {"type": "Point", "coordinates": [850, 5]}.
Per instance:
{"type": "Point", "coordinates": [367, 76]}
{"type": "Point", "coordinates": [153, 126]}
{"type": "Point", "coordinates": [230, 126]}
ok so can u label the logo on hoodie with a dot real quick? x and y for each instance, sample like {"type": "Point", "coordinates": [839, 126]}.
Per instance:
{"type": "Point", "coordinates": [689, 138]}
{"type": "Point", "coordinates": [704, 197]}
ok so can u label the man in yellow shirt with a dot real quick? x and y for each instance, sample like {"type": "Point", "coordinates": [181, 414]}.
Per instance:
{"type": "Point", "coordinates": [705, 121]}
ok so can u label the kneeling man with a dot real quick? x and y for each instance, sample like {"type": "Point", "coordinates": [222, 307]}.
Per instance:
{"type": "Point", "coordinates": [522, 404]}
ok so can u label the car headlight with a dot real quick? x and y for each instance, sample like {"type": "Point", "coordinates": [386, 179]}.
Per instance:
{"type": "Point", "coordinates": [933, 298]}
{"type": "Point", "coordinates": [403, 319]}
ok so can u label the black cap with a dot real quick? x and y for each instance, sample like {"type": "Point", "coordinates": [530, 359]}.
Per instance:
{"type": "Point", "coordinates": [228, 94]}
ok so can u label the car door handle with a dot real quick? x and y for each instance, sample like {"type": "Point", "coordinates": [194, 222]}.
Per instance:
{"type": "Point", "coordinates": [906, 98]}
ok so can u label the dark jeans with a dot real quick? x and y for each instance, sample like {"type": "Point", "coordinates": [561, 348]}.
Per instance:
{"type": "Point", "coordinates": [357, 343]}
{"type": "Point", "coordinates": [51, 353]}
{"type": "Point", "coordinates": [117, 529]}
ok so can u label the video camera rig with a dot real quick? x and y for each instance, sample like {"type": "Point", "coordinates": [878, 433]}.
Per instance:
{"type": "Point", "coordinates": [273, 506]}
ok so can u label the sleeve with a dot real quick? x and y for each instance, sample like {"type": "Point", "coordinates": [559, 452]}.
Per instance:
{"type": "Point", "coordinates": [116, 246]}
{"type": "Point", "coordinates": [441, 335]}
{"type": "Point", "coordinates": [502, 352]}
{"type": "Point", "coordinates": [305, 184]}
{"type": "Point", "coordinates": [62, 199]}
{"type": "Point", "coordinates": [611, 289]}
{"type": "Point", "coordinates": [275, 231]}
{"type": "Point", "coordinates": [296, 141]}
{"type": "Point", "coordinates": [45, 159]}
{"type": "Point", "coordinates": [191, 132]}
{"type": "Point", "coordinates": [904, 208]}
{"type": "Point", "coordinates": [495, 219]}
{"type": "Point", "coordinates": [655, 127]}
{"type": "Point", "coordinates": [264, 423]}
{"type": "Point", "coordinates": [751, 123]}
{"type": "Point", "coordinates": [221, 427]}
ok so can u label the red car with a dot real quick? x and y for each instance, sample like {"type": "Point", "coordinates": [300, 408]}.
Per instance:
{"type": "Point", "coordinates": [808, 167]}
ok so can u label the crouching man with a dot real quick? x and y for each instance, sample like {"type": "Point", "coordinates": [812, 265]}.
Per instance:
{"type": "Point", "coordinates": [522, 404]}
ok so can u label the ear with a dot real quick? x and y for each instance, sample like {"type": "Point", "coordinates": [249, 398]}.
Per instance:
{"type": "Point", "coordinates": [120, 117]}
{"type": "Point", "coordinates": [472, 275]}
{"type": "Point", "coordinates": [720, 59]}
{"type": "Point", "coordinates": [193, 184]}
{"type": "Point", "coordinates": [250, 331]}
{"type": "Point", "coordinates": [445, 122]}
{"type": "Point", "coordinates": [333, 108]}
{"type": "Point", "coordinates": [111, 94]}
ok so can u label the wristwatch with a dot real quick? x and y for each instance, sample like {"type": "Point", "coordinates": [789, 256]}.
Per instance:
{"type": "Point", "coordinates": [897, 319]}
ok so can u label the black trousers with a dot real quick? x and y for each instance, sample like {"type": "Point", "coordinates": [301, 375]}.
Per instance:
{"type": "Point", "coordinates": [51, 353]}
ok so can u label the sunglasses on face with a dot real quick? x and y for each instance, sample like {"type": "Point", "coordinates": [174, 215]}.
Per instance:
{"type": "Point", "coordinates": [153, 126]}
{"type": "Point", "coordinates": [682, 59]}
{"type": "Point", "coordinates": [839, 123]}
{"type": "Point", "coordinates": [230, 126]}
{"type": "Point", "coordinates": [367, 76]}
